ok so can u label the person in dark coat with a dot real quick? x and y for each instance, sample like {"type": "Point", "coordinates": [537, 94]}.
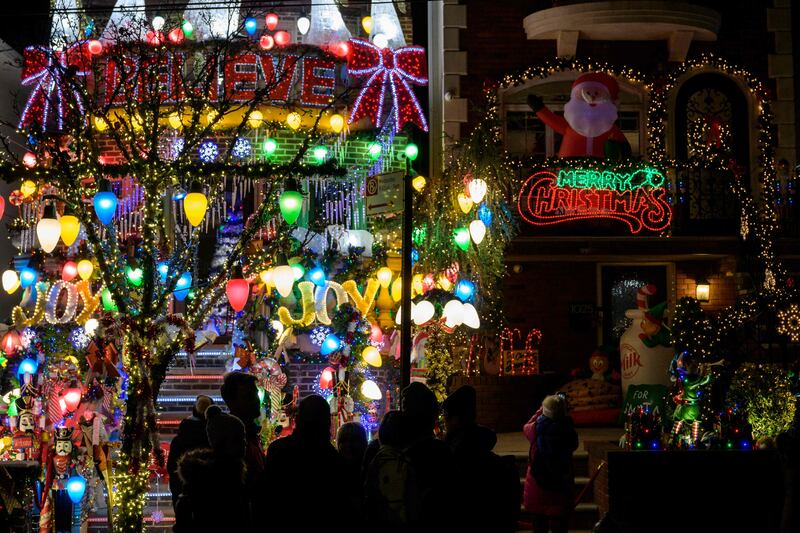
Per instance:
{"type": "Point", "coordinates": [309, 473]}
{"type": "Point", "coordinates": [351, 442]}
{"type": "Point", "coordinates": [487, 486]}
{"type": "Point", "coordinates": [550, 479]}
{"type": "Point", "coordinates": [240, 392]}
{"type": "Point", "coordinates": [214, 496]}
{"type": "Point", "coordinates": [191, 436]}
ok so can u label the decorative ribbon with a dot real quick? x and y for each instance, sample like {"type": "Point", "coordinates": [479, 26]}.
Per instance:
{"type": "Point", "coordinates": [386, 89]}
{"type": "Point", "coordinates": [50, 72]}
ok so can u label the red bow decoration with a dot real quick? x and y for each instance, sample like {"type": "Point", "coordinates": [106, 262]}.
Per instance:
{"type": "Point", "coordinates": [49, 72]}
{"type": "Point", "coordinates": [386, 89]}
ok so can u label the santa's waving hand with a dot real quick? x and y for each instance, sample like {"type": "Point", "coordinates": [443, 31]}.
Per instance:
{"type": "Point", "coordinates": [589, 116]}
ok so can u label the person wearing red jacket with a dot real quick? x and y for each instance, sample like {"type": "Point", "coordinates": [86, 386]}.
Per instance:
{"type": "Point", "coordinates": [588, 124]}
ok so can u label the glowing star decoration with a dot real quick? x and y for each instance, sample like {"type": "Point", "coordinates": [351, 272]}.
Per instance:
{"type": "Point", "coordinates": [10, 281]}
{"type": "Point", "coordinates": [52, 74]}
{"type": "Point", "coordinates": [283, 277]}
{"type": "Point", "coordinates": [85, 269]}
{"type": "Point", "coordinates": [477, 230]}
{"type": "Point", "coordinates": [461, 237]}
{"type": "Point", "coordinates": [331, 344]}
{"type": "Point", "coordinates": [303, 24]}
{"type": "Point", "coordinates": [387, 76]}
{"type": "Point", "coordinates": [182, 286]}
{"type": "Point", "coordinates": [465, 203]}
{"type": "Point", "coordinates": [105, 206]}
{"type": "Point", "coordinates": [48, 229]}
{"type": "Point", "coordinates": [294, 120]}
{"type": "Point", "coordinates": [789, 322]}
{"type": "Point", "coordinates": [70, 228]}
{"type": "Point", "coordinates": [336, 122]}
{"type": "Point", "coordinates": [477, 189]}
{"type": "Point", "coordinates": [241, 148]}
{"type": "Point", "coordinates": [208, 151]}
{"type": "Point", "coordinates": [384, 276]}
{"type": "Point", "coordinates": [195, 205]}
{"type": "Point", "coordinates": [638, 198]}
{"type": "Point", "coordinates": [370, 390]}
{"type": "Point", "coordinates": [419, 183]}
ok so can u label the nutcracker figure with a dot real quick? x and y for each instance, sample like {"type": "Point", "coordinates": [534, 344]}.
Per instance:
{"type": "Point", "coordinates": [56, 506]}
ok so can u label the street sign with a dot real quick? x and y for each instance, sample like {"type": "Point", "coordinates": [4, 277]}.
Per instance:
{"type": "Point", "coordinates": [384, 193]}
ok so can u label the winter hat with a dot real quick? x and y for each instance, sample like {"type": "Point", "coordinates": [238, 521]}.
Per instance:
{"type": "Point", "coordinates": [225, 432]}
{"type": "Point", "coordinates": [419, 403]}
{"type": "Point", "coordinates": [656, 313]}
{"type": "Point", "coordinates": [597, 78]}
{"type": "Point", "coordinates": [554, 407]}
{"type": "Point", "coordinates": [463, 403]}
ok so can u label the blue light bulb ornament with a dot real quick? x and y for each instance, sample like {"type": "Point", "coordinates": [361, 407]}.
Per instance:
{"type": "Point", "coordinates": [27, 366]}
{"type": "Point", "coordinates": [28, 277]}
{"type": "Point", "coordinates": [182, 286]}
{"type": "Point", "coordinates": [330, 344]}
{"type": "Point", "coordinates": [163, 270]}
{"type": "Point", "coordinates": [317, 276]}
{"type": "Point", "coordinates": [76, 488]}
{"type": "Point", "coordinates": [485, 214]}
{"type": "Point", "coordinates": [105, 205]}
{"type": "Point", "coordinates": [250, 25]}
{"type": "Point", "coordinates": [465, 290]}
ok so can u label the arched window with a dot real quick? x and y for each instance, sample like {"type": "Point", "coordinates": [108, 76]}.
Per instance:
{"type": "Point", "coordinates": [527, 136]}
{"type": "Point", "coordinates": [710, 120]}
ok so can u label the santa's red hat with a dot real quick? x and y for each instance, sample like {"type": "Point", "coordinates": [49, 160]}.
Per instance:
{"type": "Point", "coordinates": [598, 78]}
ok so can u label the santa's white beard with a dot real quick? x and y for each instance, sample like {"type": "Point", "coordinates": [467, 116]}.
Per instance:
{"type": "Point", "coordinates": [590, 121]}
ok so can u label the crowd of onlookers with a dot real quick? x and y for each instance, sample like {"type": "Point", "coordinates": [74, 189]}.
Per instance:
{"type": "Point", "coordinates": [406, 479]}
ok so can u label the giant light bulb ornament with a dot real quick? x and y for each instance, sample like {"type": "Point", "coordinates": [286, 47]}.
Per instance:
{"type": "Point", "coordinates": [477, 231]}
{"type": "Point", "coordinates": [371, 390]}
{"type": "Point", "coordinates": [291, 201]}
{"type": "Point", "coordinates": [237, 289]}
{"type": "Point", "coordinates": [48, 229]}
{"type": "Point", "coordinates": [28, 277]}
{"type": "Point", "coordinates": [85, 269]}
{"type": "Point", "coordinates": [477, 190]}
{"type": "Point", "coordinates": [283, 278]}
{"type": "Point", "coordinates": [195, 205]}
{"type": "Point", "coordinates": [10, 281]}
{"type": "Point", "coordinates": [384, 276]}
{"type": "Point", "coordinates": [105, 204]}
{"type": "Point", "coordinates": [372, 356]}
{"type": "Point", "coordinates": [70, 228]}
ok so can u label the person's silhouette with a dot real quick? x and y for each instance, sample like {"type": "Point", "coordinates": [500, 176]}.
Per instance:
{"type": "Point", "coordinates": [240, 393]}
{"type": "Point", "coordinates": [191, 436]}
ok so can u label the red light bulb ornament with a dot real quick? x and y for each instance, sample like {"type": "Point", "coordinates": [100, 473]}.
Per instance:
{"type": "Point", "coordinates": [266, 42]}
{"type": "Point", "coordinates": [29, 159]}
{"type": "Point", "coordinates": [326, 378]}
{"type": "Point", "coordinates": [69, 271]}
{"type": "Point", "coordinates": [176, 36]}
{"type": "Point", "coordinates": [238, 290]}
{"type": "Point", "coordinates": [271, 21]}
{"type": "Point", "coordinates": [71, 399]}
{"type": "Point", "coordinates": [95, 47]}
{"type": "Point", "coordinates": [282, 38]}
{"type": "Point", "coordinates": [11, 342]}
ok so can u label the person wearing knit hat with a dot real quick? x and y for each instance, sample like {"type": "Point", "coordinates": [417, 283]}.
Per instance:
{"type": "Point", "coordinates": [191, 436]}
{"type": "Point", "coordinates": [589, 116]}
{"type": "Point", "coordinates": [214, 496]}
{"type": "Point", "coordinates": [550, 478]}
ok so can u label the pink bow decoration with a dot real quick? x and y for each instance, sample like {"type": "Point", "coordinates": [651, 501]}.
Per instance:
{"type": "Point", "coordinates": [387, 88]}
{"type": "Point", "coordinates": [48, 71]}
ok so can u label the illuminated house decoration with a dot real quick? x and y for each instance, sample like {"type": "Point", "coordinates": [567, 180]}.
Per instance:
{"type": "Point", "coordinates": [636, 198]}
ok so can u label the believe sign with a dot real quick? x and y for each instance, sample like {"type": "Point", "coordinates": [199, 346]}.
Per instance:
{"type": "Point", "coordinates": [636, 198]}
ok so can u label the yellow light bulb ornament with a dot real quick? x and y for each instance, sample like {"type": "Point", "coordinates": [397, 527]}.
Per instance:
{"type": "Point", "coordinates": [195, 205]}
{"type": "Point", "coordinates": [336, 123]}
{"type": "Point", "coordinates": [419, 183]}
{"type": "Point", "coordinates": [85, 268]}
{"type": "Point", "coordinates": [294, 120]}
{"type": "Point", "coordinates": [70, 228]}
{"type": "Point", "coordinates": [255, 119]}
{"type": "Point", "coordinates": [175, 121]}
{"type": "Point", "coordinates": [27, 188]}
{"type": "Point", "coordinates": [100, 124]}
{"type": "Point", "coordinates": [384, 276]}
{"type": "Point", "coordinates": [372, 356]}
{"type": "Point", "coordinates": [416, 285]}
{"type": "Point", "coordinates": [366, 23]}
{"type": "Point", "coordinates": [397, 289]}
{"type": "Point", "coordinates": [266, 277]}
{"type": "Point", "coordinates": [465, 203]}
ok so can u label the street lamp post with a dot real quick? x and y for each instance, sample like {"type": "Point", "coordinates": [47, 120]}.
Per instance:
{"type": "Point", "coordinates": [405, 300]}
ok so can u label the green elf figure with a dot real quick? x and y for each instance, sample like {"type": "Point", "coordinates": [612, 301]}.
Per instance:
{"type": "Point", "coordinates": [654, 332]}
{"type": "Point", "coordinates": [690, 377]}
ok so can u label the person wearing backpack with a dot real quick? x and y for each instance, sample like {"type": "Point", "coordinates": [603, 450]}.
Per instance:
{"type": "Point", "coordinates": [550, 479]}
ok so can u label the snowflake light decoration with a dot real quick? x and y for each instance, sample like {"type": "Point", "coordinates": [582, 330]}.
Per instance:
{"type": "Point", "coordinates": [318, 334]}
{"type": "Point", "coordinates": [241, 148]}
{"type": "Point", "coordinates": [27, 338]}
{"type": "Point", "coordinates": [208, 151]}
{"type": "Point", "coordinates": [176, 147]}
{"type": "Point", "coordinates": [79, 339]}
{"type": "Point", "coordinates": [789, 322]}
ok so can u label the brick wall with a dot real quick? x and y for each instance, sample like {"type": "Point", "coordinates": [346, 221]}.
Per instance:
{"type": "Point", "coordinates": [720, 275]}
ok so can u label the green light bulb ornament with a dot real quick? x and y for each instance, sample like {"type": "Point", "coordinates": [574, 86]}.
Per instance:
{"type": "Point", "coordinates": [375, 150]}
{"type": "Point", "coordinates": [135, 276]}
{"type": "Point", "coordinates": [108, 301]}
{"type": "Point", "coordinates": [461, 238]}
{"type": "Point", "coordinates": [270, 146]}
{"type": "Point", "coordinates": [412, 151]}
{"type": "Point", "coordinates": [291, 201]}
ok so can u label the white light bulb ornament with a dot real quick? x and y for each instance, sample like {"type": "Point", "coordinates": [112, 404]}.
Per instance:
{"type": "Point", "coordinates": [477, 230]}
{"type": "Point", "coordinates": [477, 189]}
{"type": "Point", "coordinates": [283, 278]}
{"type": "Point", "coordinates": [48, 229]}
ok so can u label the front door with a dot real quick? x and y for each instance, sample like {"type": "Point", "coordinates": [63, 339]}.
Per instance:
{"type": "Point", "coordinates": [619, 286]}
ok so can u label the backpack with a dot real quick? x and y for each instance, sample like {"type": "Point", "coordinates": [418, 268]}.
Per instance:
{"type": "Point", "coordinates": [393, 500]}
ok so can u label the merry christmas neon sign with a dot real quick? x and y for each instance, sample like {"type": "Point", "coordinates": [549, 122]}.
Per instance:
{"type": "Point", "coordinates": [636, 198]}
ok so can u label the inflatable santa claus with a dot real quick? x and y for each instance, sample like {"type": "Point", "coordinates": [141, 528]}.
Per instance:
{"type": "Point", "coordinates": [589, 116]}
